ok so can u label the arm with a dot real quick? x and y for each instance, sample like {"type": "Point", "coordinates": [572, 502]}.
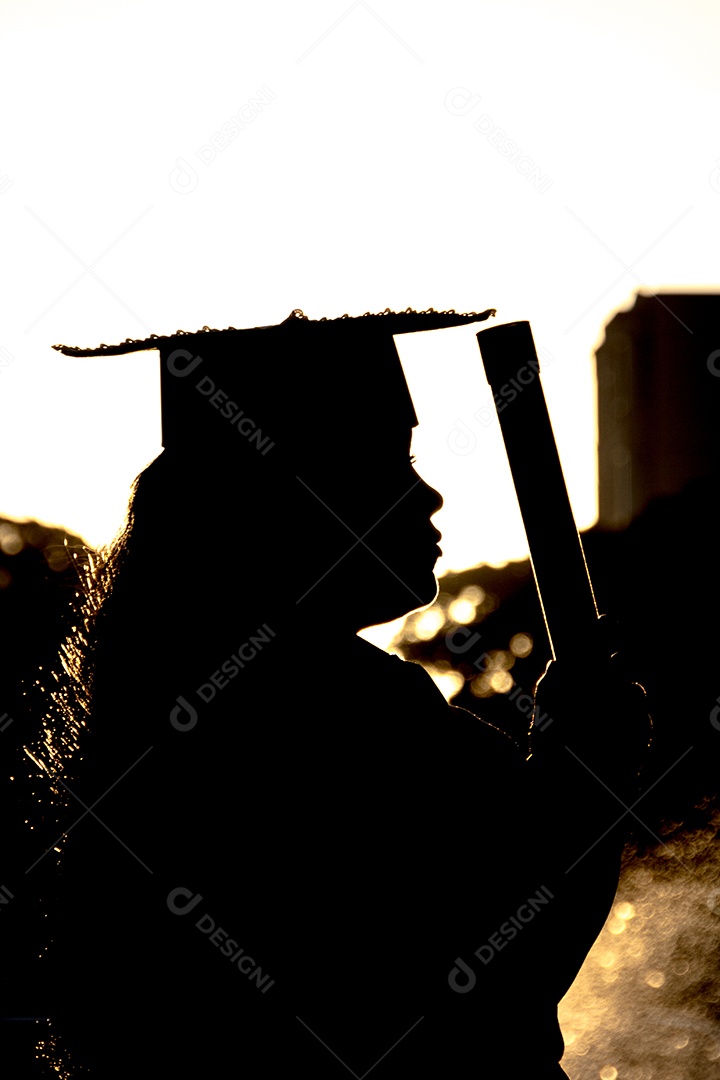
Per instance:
{"type": "Point", "coordinates": [582, 774]}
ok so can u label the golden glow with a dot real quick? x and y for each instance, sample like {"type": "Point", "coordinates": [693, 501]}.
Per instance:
{"type": "Point", "coordinates": [501, 682]}
{"type": "Point", "coordinates": [462, 611]}
{"type": "Point", "coordinates": [521, 645]}
{"type": "Point", "coordinates": [11, 541]}
{"type": "Point", "coordinates": [635, 998]}
{"type": "Point", "coordinates": [495, 681]}
{"type": "Point", "coordinates": [448, 681]}
{"type": "Point", "coordinates": [429, 623]}
{"type": "Point", "coordinates": [655, 979]}
{"type": "Point", "coordinates": [480, 687]}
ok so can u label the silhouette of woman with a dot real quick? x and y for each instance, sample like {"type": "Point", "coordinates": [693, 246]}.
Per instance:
{"type": "Point", "coordinates": [282, 847]}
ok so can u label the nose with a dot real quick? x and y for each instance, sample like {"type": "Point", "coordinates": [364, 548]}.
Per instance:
{"type": "Point", "coordinates": [433, 498]}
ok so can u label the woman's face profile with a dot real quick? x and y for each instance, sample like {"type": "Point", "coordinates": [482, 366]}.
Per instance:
{"type": "Point", "coordinates": [369, 547]}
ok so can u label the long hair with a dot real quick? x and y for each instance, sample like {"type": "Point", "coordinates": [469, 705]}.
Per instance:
{"type": "Point", "coordinates": [184, 585]}
{"type": "Point", "coordinates": [122, 802]}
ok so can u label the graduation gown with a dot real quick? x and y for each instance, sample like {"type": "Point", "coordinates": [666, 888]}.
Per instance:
{"type": "Point", "coordinates": [332, 870]}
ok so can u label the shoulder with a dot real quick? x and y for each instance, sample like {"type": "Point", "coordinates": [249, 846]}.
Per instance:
{"type": "Point", "coordinates": [459, 725]}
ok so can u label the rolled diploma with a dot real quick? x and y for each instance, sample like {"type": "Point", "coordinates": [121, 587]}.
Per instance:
{"type": "Point", "coordinates": [556, 552]}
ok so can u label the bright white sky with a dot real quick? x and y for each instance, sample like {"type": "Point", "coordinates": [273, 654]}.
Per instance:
{"type": "Point", "coordinates": [374, 176]}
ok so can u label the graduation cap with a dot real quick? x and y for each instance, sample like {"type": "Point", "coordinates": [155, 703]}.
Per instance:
{"type": "Point", "coordinates": [299, 386]}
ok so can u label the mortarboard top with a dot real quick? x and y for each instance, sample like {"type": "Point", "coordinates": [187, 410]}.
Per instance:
{"type": "Point", "coordinates": [307, 384]}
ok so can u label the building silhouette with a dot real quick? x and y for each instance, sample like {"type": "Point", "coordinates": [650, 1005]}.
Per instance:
{"type": "Point", "coordinates": [658, 375]}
